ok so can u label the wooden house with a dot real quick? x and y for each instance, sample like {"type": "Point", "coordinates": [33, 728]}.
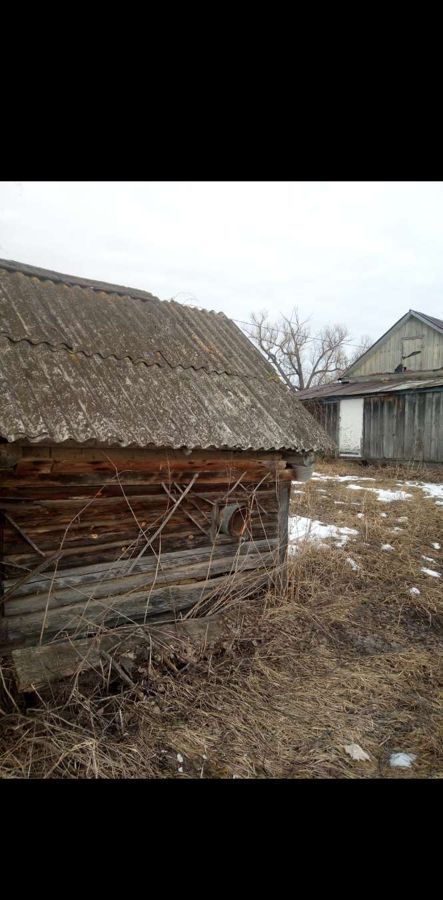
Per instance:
{"type": "Point", "coordinates": [388, 405]}
{"type": "Point", "coordinates": [146, 455]}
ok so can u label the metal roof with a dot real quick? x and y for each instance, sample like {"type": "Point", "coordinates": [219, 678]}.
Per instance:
{"type": "Point", "coordinates": [94, 363]}
{"type": "Point", "coordinates": [360, 388]}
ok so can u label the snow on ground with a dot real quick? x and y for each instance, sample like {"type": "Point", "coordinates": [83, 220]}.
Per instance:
{"type": "Point", "coordinates": [317, 476]}
{"type": "Point", "coordinates": [302, 528]}
{"type": "Point", "coordinates": [414, 592]}
{"type": "Point", "coordinates": [428, 559]}
{"type": "Point", "coordinates": [436, 545]}
{"type": "Point", "coordinates": [387, 547]}
{"type": "Point", "coordinates": [384, 495]}
{"type": "Point", "coordinates": [431, 572]}
{"type": "Point", "coordinates": [402, 760]}
{"type": "Point", "coordinates": [434, 491]}
{"type": "Point", "coordinates": [354, 566]}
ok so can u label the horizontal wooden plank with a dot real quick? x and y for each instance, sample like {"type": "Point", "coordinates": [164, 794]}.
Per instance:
{"type": "Point", "coordinates": [118, 588]}
{"type": "Point", "coordinates": [84, 619]}
{"type": "Point", "coordinates": [68, 577]}
{"type": "Point", "coordinates": [100, 551]}
{"type": "Point", "coordinates": [37, 490]}
{"type": "Point", "coordinates": [36, 667]}
{"type": "Point", "coordinates": [121, 455]}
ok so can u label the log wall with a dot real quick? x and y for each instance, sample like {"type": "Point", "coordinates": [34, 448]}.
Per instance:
{"type": "Point", "coordinates": [93, 538]}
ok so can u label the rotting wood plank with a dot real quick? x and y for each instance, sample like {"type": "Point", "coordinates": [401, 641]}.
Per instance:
{"type": "Point", "coordinates": [36, 667]}
{"type": "Point", "coordinates": [119, 588]}
{"type": "Point", "coordinates": [71, 577]}
{"type": "Point", "coordinates": [40, 568]}
{"type": "Point", "coordinates": [20, 505]}
{"type": "Point", "coordinates": [154, 456]}
{"type": "Point", "coordinates": [23, 534]}
{"type": "Point", "coordinates": [85, 619]}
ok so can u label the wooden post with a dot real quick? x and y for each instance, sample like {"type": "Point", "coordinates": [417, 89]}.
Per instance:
{"type": "Point", "coordinates": [284, 493]}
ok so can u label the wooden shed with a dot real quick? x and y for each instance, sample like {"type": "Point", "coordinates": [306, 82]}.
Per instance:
{"type": "Point", "coordinates": [146, 455]}
{"type": "Point", "coordinates": [391, 418]}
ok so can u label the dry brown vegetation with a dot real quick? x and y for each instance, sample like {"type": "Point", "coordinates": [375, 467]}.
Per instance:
{"type": "Point", "coordinates": [341, 656]}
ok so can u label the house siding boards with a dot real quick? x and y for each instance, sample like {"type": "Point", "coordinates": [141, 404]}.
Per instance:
{"type": "Point", "coordinates": [402, 425]}
{"type": "Point", "coordinates": [327, 413]}
{"type": "Point", "coordinates": [406, 427]}
{"type": "Point", "coordinates": [387, 354]}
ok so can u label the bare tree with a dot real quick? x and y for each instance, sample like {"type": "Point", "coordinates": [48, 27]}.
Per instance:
{"type": "Point", "coordinates": [303, 359]}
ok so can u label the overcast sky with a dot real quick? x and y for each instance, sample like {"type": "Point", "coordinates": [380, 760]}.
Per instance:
{"type": "Point", "coordinates": [358, 253]}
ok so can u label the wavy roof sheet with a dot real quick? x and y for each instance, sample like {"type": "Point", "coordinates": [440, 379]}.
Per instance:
{"type": "Point", "coordinates": [94, 363]}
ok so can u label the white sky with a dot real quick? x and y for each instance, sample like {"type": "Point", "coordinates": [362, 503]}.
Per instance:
{"type": "Point", "coordinates": [358, 253]}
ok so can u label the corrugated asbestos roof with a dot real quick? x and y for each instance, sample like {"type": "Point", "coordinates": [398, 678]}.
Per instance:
{"type": "Point", "coordinates": [94, 363]}
{"type": "Point", "coordinates": [360, 388]}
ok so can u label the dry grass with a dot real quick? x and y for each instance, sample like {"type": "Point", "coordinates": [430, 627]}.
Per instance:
{"type": "Point", "coordinates": [341, 656]}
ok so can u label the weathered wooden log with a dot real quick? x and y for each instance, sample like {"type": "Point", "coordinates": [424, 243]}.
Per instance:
{"type": "Point", "coordinates": [36, 667]}
{"type": "Point", "coordinates": [92, 512]}
{"type": "Point", "coordinates": [118, 588]}
{"type": "Point", "coordinates": [85, 619]}
{"type": "Point", "coordinates": [70, 577]}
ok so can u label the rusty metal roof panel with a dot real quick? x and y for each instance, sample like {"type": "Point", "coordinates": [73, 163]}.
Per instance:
{"type": "Point", "coordinates": [82, 362]}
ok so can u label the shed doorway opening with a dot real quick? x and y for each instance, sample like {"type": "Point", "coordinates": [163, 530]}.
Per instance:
{"type": "Point", "coordinates": [350, 433]}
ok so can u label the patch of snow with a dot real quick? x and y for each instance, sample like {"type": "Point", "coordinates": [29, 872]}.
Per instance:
{"type": "Point", "coordinates": [431, 572]}
{"type": "Point", "coordinates": [180, 769]}
{"type": "Point", "coordinates": [414, 591]}
{"type": "Point", "coordinates": [402, 519]}
{"type": "Point", "coordinates": [302, 528]}
{"type": "Point", "coordinates": [357, 752]}
{"type": "Point", "coordinates": [179, 758]}
{"type": "Point", "coordinates": [383, 515]}
{"type": "Point", "coordinates": [360, 515]}
{"type": "Point", "coordinates": [317, 476]}
{"type": "Point", "coordinates": [439, 502]}
{"type": "Point", "coordinates": [385, 496]}
{"type": "Point", "coordinates": [354, 566]}
{"type": "Point", "coordinates": [436, 545]}
{"type": "Point", "coordinates": [396, 529]}
{"type": "Point", "coordinates": [428, 559]}
{"type": "Point", "coordinates": [387, 547]}
{"type": "Point", "coordinates": [429, 490]}
{"type": "Point", "coordinates": [297, 492]}
{"type": "Point", "coordinates": [402, 760]}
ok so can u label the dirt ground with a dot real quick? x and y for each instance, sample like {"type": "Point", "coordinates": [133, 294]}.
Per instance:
{"type": "Point", "coordinates": [349, 653]}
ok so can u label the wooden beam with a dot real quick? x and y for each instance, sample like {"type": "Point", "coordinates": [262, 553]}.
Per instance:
{"type": "Point", "coordinates": [36, 667]}
{"type": "Point", "coordinates": [284, 492]}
